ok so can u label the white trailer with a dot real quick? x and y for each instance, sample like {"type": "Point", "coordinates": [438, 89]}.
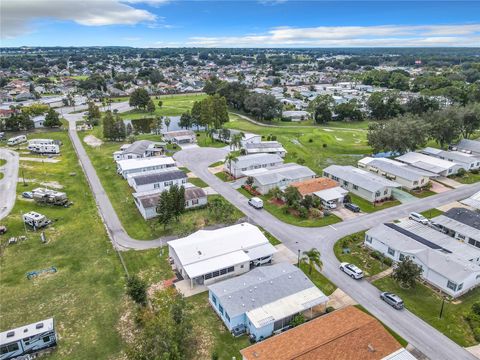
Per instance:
{"type": "Point", "coordinates": [35, 220]}
{"type": "Point", "coordinates": [17, 140]}
{"type": "Point", "coordinates": [41, 142]}
{"type": "Point", "coordinates": [28, 339]}
{"type": "Point", "coordinates": [44, 149]}
{"type": "Point", "coordinates": [47, 196]}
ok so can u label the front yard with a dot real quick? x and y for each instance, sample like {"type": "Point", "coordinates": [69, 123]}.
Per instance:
{"type": "Point", "coordinates": [368, 207]}
{"type": "Point", "coordinates": [426, 304]}
{"type": "Point", "coordinates": [431, 213]}
{"type": "Point", "coordinates": [468, 178]}
{"type": "Point", "coordinates": [350, 249]}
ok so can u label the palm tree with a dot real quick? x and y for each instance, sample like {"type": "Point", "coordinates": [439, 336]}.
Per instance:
{"type": "Point", "coordinates": [229, 159]}
{"type": "Point", "coordinates": [312, 257]}
{"type": "Point", "coordinates": [236, 140]}
{"type": "Point", "coordinates": [167, 122]}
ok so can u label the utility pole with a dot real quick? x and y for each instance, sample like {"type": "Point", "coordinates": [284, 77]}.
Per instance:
{"type": "Point", "coordinates": [298, 259]}
{"type": "Point", "coordinates": [441, 309]}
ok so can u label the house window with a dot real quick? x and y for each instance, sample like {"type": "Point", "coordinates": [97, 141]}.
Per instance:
{"type": "Point", "coordinates": [227, 317]}
{"type": "Point", "coordinates": [216, 273]}
{"type": "Point", "coordinates": [368, 239]}
{"type": "Point", "coordinates": [207, 276]}
{"type": "Point", "coordinates": [194, 201]}
{"type": "Point", "coordinates": [46, 339]}
{"type": "Point", "coordinates": [345, 183]}
{"type": "Point", "coordinates": [223, 271]}
{"type": "Point", "coordinates": [355, 187]}
{"type": "Point", "coordinates": [460, 287]}
{"type": "Point", "coordinates": [220, 308]}
{"type": "Point", "coordinates": [377, 194]}
{"type": "Point", "coordinates": [385, 192]}
{"type": "Point", "coordinates": [156, 186]}
{"type": "Point", "coordinates": [401, 257]}
{"type": "Point", "coordinates": [391, 251]}
{"type": "Point", "coordinates": [460, 236]}
{"type": "Point", "coordinates": [231, 269]}
{"type": "Point", "coordinates": [451, 285]}
{"type": "Point", "coordinates": [214, 299]}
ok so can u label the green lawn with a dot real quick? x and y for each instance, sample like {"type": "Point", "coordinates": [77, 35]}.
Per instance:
{"type": "Point", "coordinates": [468, 178]}
{"type": "Point", "coordinates": [422, 193]}
{"type": "Point", "coordinates": [173, 105]}
{"type": "Point", "coordinates": [198, 182]}
{"type": "Point", "coordinates": [318, 279]}
{"type": "Point", "coordinates": [278, 212]}
{"type": "Point", "coordinates": [273, 240]}
{"type": "Point", "coordinates": [120, 192]}
{"type": "Point", "coordinates": [84, 296]}
{"type": "Point", "coordinates": [222, 175]}
{"type": "Point", "coordinates": [431, 213]}
{"type": "Point", "coordinates": [368, 207]}
{"type": "Point", "coordinates": [211, 334]}
{"type": "Point", "coordinates": [203, 140]}
{"type": "Point", "coordinates": [426, 304]}
{"type": "Point", "coordinates": [358, 254]}
{"type": "Point", "coordinates": [319, 146]}
{"type": "Point", "coordinates": [215, 164]}
{"type": "Point", "coordinates": [150, 265]}
{"type": "Point", "coordinates": [3, 162]}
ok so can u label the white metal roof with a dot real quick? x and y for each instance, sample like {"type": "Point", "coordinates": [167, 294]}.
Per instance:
{"type": "Point", "coordinates": [26, 330]}
{"type": "Point", "coordinates": [331, 194]}
{"type": "Point", "coordinates": [400, 354]}
{"type": "Point", "coordinates": [426, 162]}
{"type": "Point", "coordinates": [216, 263]}
{"type": "Point", "coordinates": [359, 177]}
{"type": "Point", "coordinates": [473, 201]}
{"type": "Point", "coordinates": [131, 164]}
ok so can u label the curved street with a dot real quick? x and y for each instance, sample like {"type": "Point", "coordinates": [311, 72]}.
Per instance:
{"type": "Point", "coordinates": [417, 332]}
{"type": "Point", "coordinates": [8, 184]}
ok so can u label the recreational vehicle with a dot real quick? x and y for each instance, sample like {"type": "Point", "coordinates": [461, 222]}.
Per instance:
{"type": "Point", "coordinates": [41, 142]}
{"type": "Point", "coordinates": [35, 219]}
{"type": "Point", "coordinates": [44, 149]}
{"type": "Point", "coordinates": [17, 140]}
{"type": "Point", "coordinates": [47, 196]}
{"type": "Point", "coordinates": [28, 339]}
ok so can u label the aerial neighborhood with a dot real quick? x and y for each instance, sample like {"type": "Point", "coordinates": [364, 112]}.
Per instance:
{"type": "Point", "coordinates": [216, 200]}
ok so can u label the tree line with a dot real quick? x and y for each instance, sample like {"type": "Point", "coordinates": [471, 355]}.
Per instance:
{"type": "Point", "coordinates": [22, 120]}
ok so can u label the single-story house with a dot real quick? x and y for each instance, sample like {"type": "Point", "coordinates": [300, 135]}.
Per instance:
{"type": "Point", "coordinates": [131, 166]}
{"type": "Point", "coordinates": [248, 138]}
{"type": "Point", "coordinates": [266, 147]}
{"type": "Point", "coordinates": [147, 202]}
{"type": "Point", "coordinates": [157, 181]}
{"type": "Point", "coordinates": [465, 160]}
{"type": "Point", "coordinates": [348, 333]}
{"type": "Point", "coordinates": [362, 183]}
{"type": "Point", "coordinates": [139, 149]}
{"type": "Point", "coordinates": [468, 146]}
{"type": "Point", "coordinates": [296, 115]}
{"type": "Point", "coordinates": [436, 166]}
{"type": "Point", "coordinates": [208, 256]}
{"type": "Point", "coordinates": [281, 176]}
{"type": "Point", "coordinates": [38, 121]}
{"type": "Point", "coordinates": [244, 163]}
{"type": "Point", "coordinates": [461, 223]}
{"type": "Point", "coordinates": [448, 264]}
{"type": "Point", "coordinates": [180, 137]}
{"type": "Point", "coordinates": [265, 300]}
{"type": "Point", "coordinates": [408, 177]}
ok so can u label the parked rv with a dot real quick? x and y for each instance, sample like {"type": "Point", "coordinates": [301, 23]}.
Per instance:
{"type": "Point", "coordinates": [28, 339]}
{"type": "Point", "coordinates": [47, 196]}
{"type": "Point", "coordinates": [41, 142]}
{"type": "Point", "coordinates": [35, 220]}
{"type": "Point", "coordinates": [44, 148]}
{"type": "Point", "coordinates": [17, 140]}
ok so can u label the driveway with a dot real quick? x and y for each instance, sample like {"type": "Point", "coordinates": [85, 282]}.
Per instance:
{"type": "Point", "coordinates": [403, 196]}
{"type": "Point", "coordinates": [345, 214]}
{"type": "Point", "coordinates": [439, 188]}
{"type": "Point", "coordinates": [8, 184]}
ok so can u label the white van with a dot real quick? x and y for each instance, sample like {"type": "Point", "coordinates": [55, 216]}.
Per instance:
{"type": "Point", "coordinates": [16, 140]}
{"type": "Point", "coordinates": [256, 202]}
{"type": "Point", "coordinates": [330, 204]}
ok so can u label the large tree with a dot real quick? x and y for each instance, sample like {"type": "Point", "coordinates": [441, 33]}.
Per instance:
{"type": "Point", "coordinates": [445, 125]}
{"type": "Point", "coordinates": [139, 98]}
{"type": "Point", "coordinates": [406, 273]}
{"type": "Point", "coordinates": [384, 105]}
{"type": "Point", "coordinates": [321, 108]}
{"type": "Point", "coordinates": [263, 107]}
{"type": "Point", "coordinates": [52, 119]}
{"type": "Point", "coordinates": [349, 111]}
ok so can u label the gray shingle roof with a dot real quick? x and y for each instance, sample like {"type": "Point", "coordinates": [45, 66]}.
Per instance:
{"type": "Point", "coordinates": [138, 147]}
{"type": "Point", "coordinates": [264, 284]}
{"type": "Point", "coordinates": [472, 145]}
{"type": "Point", "coordinates": [159, 177]}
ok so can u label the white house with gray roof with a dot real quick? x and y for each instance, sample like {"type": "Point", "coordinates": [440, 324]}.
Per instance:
{"type": "Point", "coordinates": [461, 223]}
{"type": "Point", "coordinates": [266, 147]}
{"type": "Point", "coordinates": [362, 183]}
{"type": "Point", "coordinates": [208, 256]}
{"type": "Point", "coordinates": [139, 149]}
{"type": "Point", "coordinates": [469, 146]}
{"type": "Point", "coordinates": [281, 176]}
{"type": "Point", "coordinates": [142, 165]}
{"type": "Point", "coordinates": [158, 180]}
{"type": "Point", "coordinates": [448, 264]}
{"type": "Point", "coordinates": [408, 177]}
{"type": "Point", "coordinates": [466, 161]}
{"type": "Point", "coordinates": [265, 300]}
{"type": "Point", "coordinates": [436, 166]}
{"type": "Point", "coordinates": [244, 163]}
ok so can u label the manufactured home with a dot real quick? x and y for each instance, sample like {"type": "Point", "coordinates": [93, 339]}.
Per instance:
{"type": "Point", "coordinates": [47, 196]}
{"type": "Point", "coordinates": [41, 142]}
{"type": "Point", "coordinates": [157, 181]}
{"type": "Point", "coordinates": [238, 167]}
{"type": "Point", "coordinates": [134, 166]}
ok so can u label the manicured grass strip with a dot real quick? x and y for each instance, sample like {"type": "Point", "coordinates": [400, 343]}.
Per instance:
{"type": "Point", "coordinates": [397, 337]}
{"type": "Point", "coordinates": [3, 162]}
{"type": "Point", "coordinates": [468, 178]}
{"type": "Point", "coordinates": [215, 164]}
{"type": "Point", "coordinates": [198, 182]}
{"type": "Point", "coordinates": [422, 194]}
{"type": "Point", "coordinates": [431, 213]}
{"type": "Point", "coordinates": [318, 279]}
{"type": "Point", "coordinates": [273, 240]}
{"type": "Point", "coordinates": [426, 304]}
{"type": "Point", "coordinates": [203, 140]}
{"type": "Point", "coordinates": [358, 255]}
{"type": "Point", "coordinates": [368, 207]}
{"type": "Point", "coordinates": [223, 176]}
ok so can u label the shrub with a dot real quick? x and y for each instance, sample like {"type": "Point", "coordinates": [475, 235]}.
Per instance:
{"type": "Point", "coordinates": [137, 289]}
{"type": "Point", "coordinates": [474, 171]}
{"type": "Point", "coordinates": [324, 145]}
{"type": "Point", "coordinates": [461, 172]}
{"type": "Point", "coordinates": [330, 309]}
{"type": "Point", "coordinates": [315, 213]}
{"type": "Point", "coordinates": [301, 161]}
{"type": "Point", "coordinates": [303, 212]}
{"type": "Point", "coordinates": [310, 140]}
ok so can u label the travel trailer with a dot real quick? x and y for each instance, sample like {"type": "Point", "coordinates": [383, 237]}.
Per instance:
{"type": "Point", "coordinates": [16, 140]}
{"type": "Point", "coordinates": [41, 142]}
{"type": "Point", "coordinates": [44, 148]}
{"type": "Point", "coordinates": [35, 220]}
{"type": "Point", "coordinates": [47, 196]}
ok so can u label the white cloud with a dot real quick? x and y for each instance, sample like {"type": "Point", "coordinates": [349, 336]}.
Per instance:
{"type": "Point", "coordinates": [351, 36]}
{"type": "Point", "coordinates": [17, 16]}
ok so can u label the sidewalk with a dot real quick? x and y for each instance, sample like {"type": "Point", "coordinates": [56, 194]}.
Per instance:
{"type": "Point", "coordinates": [380, 275]}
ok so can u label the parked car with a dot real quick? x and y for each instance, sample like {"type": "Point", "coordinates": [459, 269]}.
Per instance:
{"type": "Point", "coordinates": [352, 207]}
{"type": "Point", "coordinates": [27, 195]}
{"type": "Point", "coordinates": [418, 217]}
{"type": "Point", "coordinates": [330, 204]}
{"type": "Point", "coordinates": [352, 270]}
{"type": "Point", "coordinates": [392, 299]}
{"type": "Point", "coordinates": [256, 202]}
{"type": "Point", "coordinates": [263, 260]}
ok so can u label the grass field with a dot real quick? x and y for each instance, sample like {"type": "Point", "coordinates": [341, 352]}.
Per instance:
{"type": "Point", "coordinates": [468, 178]}
{"type": "Point", "coordinates": [119, 193]}
{"type": "Point", "coordinates": [198, 182]}
{"type": "Point", "coordinates": [431, 213]}
{"type": "Point", "coordinates": [319, 147]}
{"type": "Point", "coordinates": [368, 207]}
{"type": "Point", "coordinates": [426, 304]}
{"type": "Point", "coordinates": [203, 140]}
{"type": "Point", "coordinates": [85, 294]}
{"type": "Point", "coordinates": [318, 279]}
{"type": "Point", "coordinates": [358, 255]}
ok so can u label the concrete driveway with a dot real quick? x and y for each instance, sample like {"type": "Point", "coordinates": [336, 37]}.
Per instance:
{"type": "Point", "coordinates": [403, 196]}
{"type": "Point", "coordinates": [345, 214]}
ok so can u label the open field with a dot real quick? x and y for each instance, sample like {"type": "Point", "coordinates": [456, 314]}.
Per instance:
{"type": "Point", "coordinates": [426, 304]}
{"type": "Point", "coordinates": [85, 294]}
{"type": "Point", "coordinates": [119, 193]}
{"type": "Point", "coordinates": [319, 147]}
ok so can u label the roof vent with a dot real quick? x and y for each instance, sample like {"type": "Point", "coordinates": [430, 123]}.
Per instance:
{"type": "Point", "coordinates": [243, 305]}
{"type": "Point", "coordinates": [199, 252]}
{"type": "Point", "coordinates": [371, 348]}
{"type": "Point", "coordinates": [10, 334]}
{"type": "Point", "coordinates": [39, 326]}
{"type": "Point", "coordinates": [289, 276]}
{"type": "Point", "coordinates": [253, 300]}
{"type": "Point", "coordinates": [271, 282]}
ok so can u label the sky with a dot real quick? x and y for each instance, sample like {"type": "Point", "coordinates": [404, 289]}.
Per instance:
{"type": "Point", "coordinates": [247, 23]}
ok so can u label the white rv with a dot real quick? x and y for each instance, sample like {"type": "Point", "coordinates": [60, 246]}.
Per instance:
{"type": "Point", "coordinates": [17, 140]}
{"type": "Point", "coordinates": [35, 220]}
{"type": "Point", "coordinates": [41, 142]}
{"type": "Point", "coordinates": [44, 148]}
{"type": "Point", "coordinates": [27, 339]}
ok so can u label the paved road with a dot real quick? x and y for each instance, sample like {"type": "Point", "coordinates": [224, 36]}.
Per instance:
{"type": "Point", "coordinates": [416, 331]}
{"type": "Point", "coordinates": [8, 184]}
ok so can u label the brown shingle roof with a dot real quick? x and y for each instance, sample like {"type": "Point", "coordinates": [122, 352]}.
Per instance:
{"type": "Point", "coordinates": [312, 185]}
{"type": "Point", "coordinates": [347, 334]}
